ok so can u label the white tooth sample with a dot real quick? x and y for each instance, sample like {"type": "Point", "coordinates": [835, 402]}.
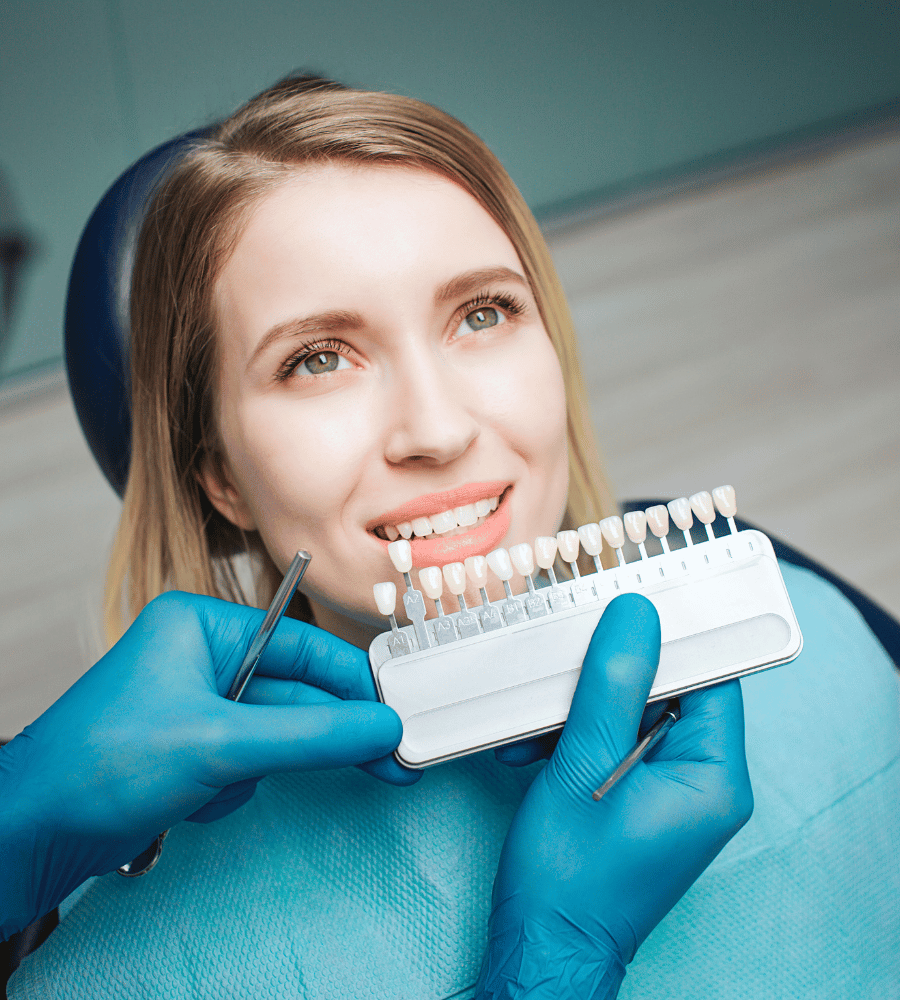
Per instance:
{"type": "Point", "coordinates": [401, 555]}
{"type": "Point", "coordinates": [613, 531]}
{"type": "Point", "coordinates": [432, 581]}
{"type": "Point", "coordinates": [483, 508]}
{"type": "Point", "coordinates": [567, 543]}
{"type": "Point", "coordinates": [501, 564]}
{"type": "Point", "coordinates": [477, 570]}
{"type": "Point", "coordinates": [636, 526]}
{"type": "Point", "coordinates": [445, 521]}
{"type": "Point", "coordinates": [680, 510]}
{"type": "Point", "coordinates": [545, 551]}
{"type": "Point", "coordinates": [591, 539]}
{"type": "Point", "coordinates": [465, 515]}
{"type": "Point", "coordinates": [455, 578]}
{"type": "Point", "coordinates": [658, 520]}
{"type": "Point", "coordinates": [522, 558]}
{"type": "Point", "coordinates": [702, 505]}
{"type": "Point", "coordinates": [405, 529]}
{"type": "Point", "coordinates": [421, 527]}
{"type": "Point", "coordinates": [725, 500]}
{"type": "Point", "coordinates": [494, 502]}
{"type": "Point", "coordinates": [385, 598]}
{"type": "Point", "coordinates": [392, 533]}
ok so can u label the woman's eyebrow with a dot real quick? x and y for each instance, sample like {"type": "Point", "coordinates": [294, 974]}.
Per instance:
{"type": "Point", "coordinates": [326, 322]}
{"type": "Point", "coordinates": [472, 281]}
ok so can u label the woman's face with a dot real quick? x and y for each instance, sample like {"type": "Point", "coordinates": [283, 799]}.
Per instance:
{"type": "Point", "coordinates": [383, 361]}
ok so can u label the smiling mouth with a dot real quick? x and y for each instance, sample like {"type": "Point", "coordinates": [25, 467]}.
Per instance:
{"type": "Point", "coordinates": [445, 524]}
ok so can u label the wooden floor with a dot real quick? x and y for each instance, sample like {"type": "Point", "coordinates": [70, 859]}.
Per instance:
{"type": "Point", "coordinates": [748, 333]}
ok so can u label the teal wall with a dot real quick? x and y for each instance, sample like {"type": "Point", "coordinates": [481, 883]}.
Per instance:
{"type": "Point", "coordinates": [576, 97]}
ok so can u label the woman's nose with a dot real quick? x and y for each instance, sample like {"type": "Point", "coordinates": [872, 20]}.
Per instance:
{"type": "Point", "coordinates": [430, 418]}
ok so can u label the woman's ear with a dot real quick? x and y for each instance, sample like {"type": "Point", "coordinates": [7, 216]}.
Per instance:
{"type": "Point", "coordinates": [223, 494]}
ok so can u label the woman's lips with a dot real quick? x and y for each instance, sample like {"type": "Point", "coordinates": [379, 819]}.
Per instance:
{"type": "Point", "coordinates": [438, 550]}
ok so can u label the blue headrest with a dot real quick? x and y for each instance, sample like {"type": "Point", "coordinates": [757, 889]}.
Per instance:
{"type": "Point", "coordinates": [97, 324]}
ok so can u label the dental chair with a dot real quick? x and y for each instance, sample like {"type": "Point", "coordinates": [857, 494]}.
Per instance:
{"type": "Point", "coordinates": [97, 330]}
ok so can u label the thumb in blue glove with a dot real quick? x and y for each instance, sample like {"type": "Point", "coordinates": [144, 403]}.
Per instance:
{"type": "Point", "coordinates": [582, 883]}
{"type": "Point", "coordinates": [145, 739]}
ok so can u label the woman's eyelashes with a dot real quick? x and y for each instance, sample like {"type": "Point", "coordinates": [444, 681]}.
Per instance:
{"type": "Point", "coordinates": [315, 359]}
{"type": "Point", "coordinates": [487, 311]}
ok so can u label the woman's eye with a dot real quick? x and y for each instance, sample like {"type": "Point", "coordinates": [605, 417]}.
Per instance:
{"type": "Point", "coordinates": [481, 319]}
{"type": "Point", "coordinates": [323, 362]}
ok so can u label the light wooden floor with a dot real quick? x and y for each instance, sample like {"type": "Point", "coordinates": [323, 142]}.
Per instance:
{"type": "Point", "coordinates": [748, 333]}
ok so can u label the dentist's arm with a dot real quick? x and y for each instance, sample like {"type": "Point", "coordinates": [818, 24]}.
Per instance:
{"type": "Point", "coordinates": [580, 883]}
{"type": "Point", "coordinates": [145, 739]}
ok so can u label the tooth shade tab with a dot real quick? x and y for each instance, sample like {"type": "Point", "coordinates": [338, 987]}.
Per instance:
{"type": "Point", "coordinates": [477, 570]}
{"type": "Point", "coordinates": [658, 520]}
{"type": "Point", "coordinates": [445, 521]}
{"type": "Point", "coordinates": [725, 500]}
{"type": "Point", "coordinates": [545, 551]}
{"type": "Point", "coordinates": [500, 564]}
{"type": "Point", "coordinates": [465, 515]}
{"type": "Point", "coordinates": [483, 508]}
{"type": "Point", "coordinates": [421, 527]}
{"type": "Point", "coordinates": [432, 581]}
{"type": "Point", "coordinates": [702, 505]}
{"type": "Point", "coordinates": [568, 544]}
{"type": "Point", "coordinates": [405, 529]}
{"type": "Point", "coordinates": [636, 526]}
{"type": "Point", "coordinates": [680, 511]}
{"type": "Point", "coordinates": [385, 598]}
{"type": "Point", "coordinates": [392, 533]}
{"type": "Point", "coordinates": [522, 558]}
{"type": "Point", "coordinates": [455, 578]}
{"type": "Point", "coordinates": [401, 555]}
{"type": "Point", "coordinates": [591, 539]}
{"type": "Point", "coordinates": [613, 531]}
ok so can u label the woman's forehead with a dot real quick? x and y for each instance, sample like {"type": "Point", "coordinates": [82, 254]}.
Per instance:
{"type": "Point", "coordinates": [331, 234]}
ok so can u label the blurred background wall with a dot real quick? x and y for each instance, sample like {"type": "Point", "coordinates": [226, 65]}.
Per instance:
{"type": "Point", "coordinates": [719, 179]}
{"type": "Point", "coordinates": [581, 99]}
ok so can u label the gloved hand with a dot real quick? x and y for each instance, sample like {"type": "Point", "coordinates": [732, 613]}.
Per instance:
{"type": "Point", "coordinates": [145, 739]}
{"type": "Point", "coordinates": [581, 883]}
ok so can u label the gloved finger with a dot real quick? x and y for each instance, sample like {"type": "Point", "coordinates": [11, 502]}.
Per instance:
{"type": "Point", "coordinates": [711, 727]}
{"type": "Point", "coordinates": [271, 691]}
{"type": "Point", "coordinates": [301, 652]}
{"type": "Point", "coordinates": [528, 751]}
{"type": "Point", "coordinates": [230, 798]}
{"type": "Point", "coordinates": [250, 740]}
{"type": "Point", "coordinates": [391, 771]}
{"type": "Point", "coordinates": [616, 677]}
{"type": "Point", "coordinates": [297, 651]}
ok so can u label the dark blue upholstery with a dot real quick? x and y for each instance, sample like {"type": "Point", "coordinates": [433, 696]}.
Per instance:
{"type": "Point", "coordinates": [97, 323]}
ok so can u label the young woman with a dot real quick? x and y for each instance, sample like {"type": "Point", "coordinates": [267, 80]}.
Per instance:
{"type": "Point", "coordinates": [344, 322]}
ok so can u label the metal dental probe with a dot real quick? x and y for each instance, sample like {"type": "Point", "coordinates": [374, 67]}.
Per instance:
{"type": "Point", "coordinates": [147, 859]}
{"type": "Point", "coordinates": [663, 724]}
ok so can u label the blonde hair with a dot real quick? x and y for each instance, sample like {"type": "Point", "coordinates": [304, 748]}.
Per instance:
{"type": "Point", "coordinates": [169, 535]}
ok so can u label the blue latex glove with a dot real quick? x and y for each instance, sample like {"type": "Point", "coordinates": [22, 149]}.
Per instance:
{"type": "Point", "coordinates": [145, 738]}
{"type": "Point", "coordinates": [581, 883]}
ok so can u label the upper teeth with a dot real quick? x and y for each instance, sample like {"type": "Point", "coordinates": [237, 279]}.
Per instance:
{"type": "Point", "coordinates": [442, 523]}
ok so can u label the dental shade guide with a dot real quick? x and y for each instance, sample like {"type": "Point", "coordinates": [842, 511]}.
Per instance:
{"type": "Point", "coordinates": [432, 580]}
{"type": "Point", "coordinates": [455, 578]}
{"type": "Point", "coordinates": [477, 572]}
{"type": "Point", "coordinates": [502, 567]}
{"type": "Point", "coordinates": [567, 543]}
{"type": "Point", "coordinates": [545, 549]}
{"type": "Point", "coordinates": [401, 556]}
{"type": "Point", "coordinates": [500, 677]}
{"type": "Point", "coordinates": [386, 602]}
